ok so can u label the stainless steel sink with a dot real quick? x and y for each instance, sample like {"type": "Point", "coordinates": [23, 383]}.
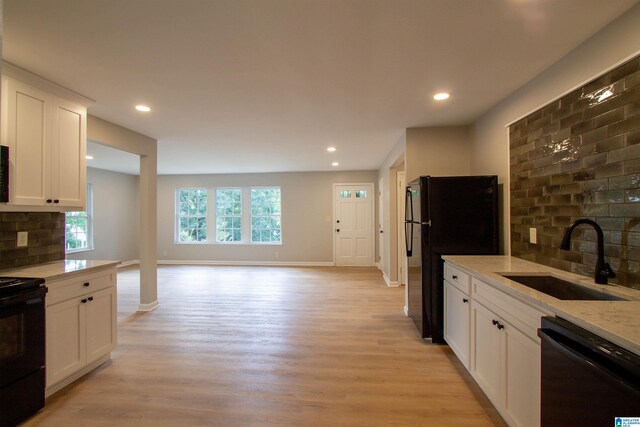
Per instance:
{"type": "Point", "coordinates": [559, 288]}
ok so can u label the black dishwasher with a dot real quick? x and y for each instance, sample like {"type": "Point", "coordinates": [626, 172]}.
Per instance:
{"type": "Point", "coordinates": [585, 379]}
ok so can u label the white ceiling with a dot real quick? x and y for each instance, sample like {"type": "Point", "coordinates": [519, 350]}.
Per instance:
{"type": "Point", "coordinates": [108, 158]}
{"type": "Point", "coordinates": [267, 85]}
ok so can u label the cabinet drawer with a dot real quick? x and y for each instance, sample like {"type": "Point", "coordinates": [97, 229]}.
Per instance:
{"type": "Point", "coordinates": [457, 278]}
{"type": "Point", "coordinates": [62, 290]}
{"type": "Point", "coordinates": [519, 314]}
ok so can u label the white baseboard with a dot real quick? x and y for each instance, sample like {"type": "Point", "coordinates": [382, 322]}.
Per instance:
{"type": "Point", "coordinates": [389, 282]}
{"type": "Point", "coordinates": [377, 264]}
{"type": "Point", "coordinates": [128, 263]}
{"type": "Point", "coordinates": [406, 311]}
{"type": "Point", "coordinates": [149, 307]}
{"type": "Point", "coordinates": [247, 263]}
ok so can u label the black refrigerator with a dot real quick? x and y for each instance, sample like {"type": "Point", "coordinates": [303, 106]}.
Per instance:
{"type": "Point", "coordinates": [455, 215]}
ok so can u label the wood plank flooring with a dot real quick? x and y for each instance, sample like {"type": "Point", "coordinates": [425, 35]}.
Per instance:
{"type": "Point", "coordinates": [262, 346]}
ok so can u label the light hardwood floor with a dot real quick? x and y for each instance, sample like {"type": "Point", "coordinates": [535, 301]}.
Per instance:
{"type": "Point", "coordinates": [260, 346]}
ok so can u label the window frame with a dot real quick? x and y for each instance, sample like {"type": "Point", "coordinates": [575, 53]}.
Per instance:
{"type": "Point", "coordinates": [89, 215]}
{"type": "Point", "coordinates": [241, 216]}
{"type": "Point", "coordinates": [212, 216]}
{"type": "Point", "coordinates": [251, 216]}
{"type": "Point", "coordinates": [178, 217]}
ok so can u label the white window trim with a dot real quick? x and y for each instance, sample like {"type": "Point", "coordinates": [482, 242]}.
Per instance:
{"type": "Point", "coordinates": [250, 216]}
{"type": "Point", "coordinates": [214, 210]}
{"type": "Point", "coordinates": [212, 217]}
{"type": "Point", "coordinates": [177, 216]}
{"type": "Point", "coordinates": [89, 211]}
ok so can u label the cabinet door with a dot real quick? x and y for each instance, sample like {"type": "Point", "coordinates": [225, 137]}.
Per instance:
{"type": "Point", "coordinates": [101, 323]}
{"type": "Point", "coordinates": [66, 346]}
{"type": "Point", "coordinates": [522, 378]}
{"type": "Point", "coordinates": [68, 157]}
{"type": "Point", "coordinates": [486, 357]}
{"type": "Point", "coordinates": [26, 131]}
{"type": "Point", "coordinates": [456, 322]}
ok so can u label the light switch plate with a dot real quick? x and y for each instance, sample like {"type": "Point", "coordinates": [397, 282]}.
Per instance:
{"type": "Point", "coordinates": [533, 237]}
{"type": "Point", "coordinates": [23, 238]}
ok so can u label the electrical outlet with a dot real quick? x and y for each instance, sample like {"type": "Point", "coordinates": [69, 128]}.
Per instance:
{"type": "Point", "coordinates": [23, 238]}
{"type": "Point", "coordinates": [533, 236]}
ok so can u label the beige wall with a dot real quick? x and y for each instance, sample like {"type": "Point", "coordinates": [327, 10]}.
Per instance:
{"type": "Point", "coordinates": [395, 161]}
{"type": "Point", "coordinates": [307, 209]}
{"type": "Point", "coordinates": [490, 148]}
{"type": "Point", "coordinates": [439, 151]}
{"type": "Point", "coordinates": [115, 216]}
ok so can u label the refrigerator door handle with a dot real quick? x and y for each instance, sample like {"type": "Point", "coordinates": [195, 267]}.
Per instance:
{"type": "Point", "coordinates": [408, 223]}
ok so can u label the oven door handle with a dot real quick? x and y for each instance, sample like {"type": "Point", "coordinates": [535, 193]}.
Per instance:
{"type": "Point", "coordinates": [34, 296]}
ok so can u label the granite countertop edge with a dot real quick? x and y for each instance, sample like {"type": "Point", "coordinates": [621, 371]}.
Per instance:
{"type": "Point", "coordinates": [55, 270]}
{"type": "Point", "coordinates": [616, 321]}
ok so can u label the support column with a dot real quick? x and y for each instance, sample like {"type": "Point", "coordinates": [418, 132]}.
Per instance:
{"type": "Point", "coordinates": [148, 233]}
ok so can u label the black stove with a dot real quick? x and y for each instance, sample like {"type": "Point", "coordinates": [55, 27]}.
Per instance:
{"type": "Point", "coordinates": [22, 348]}
{"type": "Point", "coordinates": [14, 285]}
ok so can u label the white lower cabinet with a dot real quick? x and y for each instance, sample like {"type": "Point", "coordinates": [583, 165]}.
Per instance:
{"type": "Point", "coordinates": [486, 360]}
{"type": "Point", "coordinates": [456, 323]}
{"type": "Point", "coordinates": [81, 326]}
{"type": "Point", "coordinates": [506, 365]}
{"type": "Point", "coordinates": [495, 336]}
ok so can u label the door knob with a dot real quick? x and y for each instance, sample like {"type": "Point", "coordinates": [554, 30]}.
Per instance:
{"type": "Point", "coordinates": [337, 230]}
{"type": "Point", "coordinates": [381, 231]}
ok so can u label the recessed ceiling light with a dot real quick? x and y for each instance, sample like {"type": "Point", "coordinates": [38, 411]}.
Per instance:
{"type": "Point", "coordinates": [335, 164]}
{"type": "Point", "coordinates": [331, 149]}
{"type": "Point", "coordinates": [88, 157]}
{"type": "Point", "coordinates": [441, 96]}
{"type": "Point", "coordinates": [143, 108]}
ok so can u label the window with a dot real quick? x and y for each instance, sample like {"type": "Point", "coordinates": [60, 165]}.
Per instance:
{"type": "Point", "coordinates": [239, 215]}
{"type": "Point", "coordinates": [192, 215]}
{"type": "Point", "coordinates": [265, 215]}
{"type": "Point", "coordinates": [228, 215]}
{"type": "Point", "coordinates": [78, 234]}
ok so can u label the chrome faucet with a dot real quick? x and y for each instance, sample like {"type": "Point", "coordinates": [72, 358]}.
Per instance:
{"type": "Point", "coordinates": [603, 270]}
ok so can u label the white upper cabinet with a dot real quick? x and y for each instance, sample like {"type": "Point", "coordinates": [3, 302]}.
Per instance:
{"type": "Point", "coordinates": [45, 128]}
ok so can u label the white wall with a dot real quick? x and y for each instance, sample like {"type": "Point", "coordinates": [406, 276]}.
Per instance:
{"type": "Point", "coordinates": [115, 216]}
{"type": "Point", "coordinates": [606, 49]}
{"type": "Point", "coordinates": [307, 204]}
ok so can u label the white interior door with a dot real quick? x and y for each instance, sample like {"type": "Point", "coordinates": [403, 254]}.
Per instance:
{"type": "Point", "coordinates": [353, 224]}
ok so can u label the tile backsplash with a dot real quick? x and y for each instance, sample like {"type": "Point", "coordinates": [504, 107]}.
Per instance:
{"type": "Point", "coordinates": [579, 156]}
{"type": "Point", "coordinates": [45, 239]}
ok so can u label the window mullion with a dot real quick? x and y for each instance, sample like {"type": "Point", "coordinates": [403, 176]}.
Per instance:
{"type": "Point", "coordinates": [246, 215]}
{"type": "Point", "coordinates": [212, 216]}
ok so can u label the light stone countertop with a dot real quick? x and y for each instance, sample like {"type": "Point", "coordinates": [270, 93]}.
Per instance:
{"type": "Point", "coordinates": [616, 321]}
{"type": "Point", "coordinates": [58, 269]}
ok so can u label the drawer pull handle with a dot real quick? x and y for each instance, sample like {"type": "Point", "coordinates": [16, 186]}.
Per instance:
{"type": "Point", "coordinates": [49, 201]}
{"type": "Point", "coordinates": [454, 277]}
{"type": "Point", "coordinates": [86, 284]}
{"type": "Point", "coordinates": [465, 300]}
{"type": "Point", "coordinates": [56, 201]}
{"type": "Point", "coordinates": [83, 300]}
{"type": "Point", "coordinates": [500, 325]}
{"type": "Point", "coordinates": [90, 298]}
{"type": "Point", "coordinates": [494, 322]}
